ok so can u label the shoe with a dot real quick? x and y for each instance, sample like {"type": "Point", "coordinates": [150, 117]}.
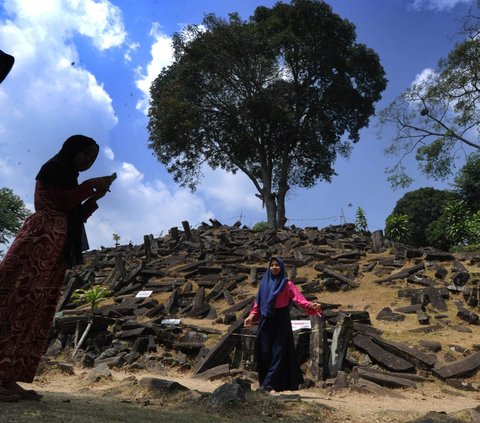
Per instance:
{"type": "Point", "coordinates": [13, 388]}
{"type": "Point", "coordinates": [7, 396]}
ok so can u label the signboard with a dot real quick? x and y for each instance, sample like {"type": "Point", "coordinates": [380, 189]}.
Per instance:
{"type": "Point", "coordinates": [301, 324]}
{"type": "Point", "coordinates": [143, 294]}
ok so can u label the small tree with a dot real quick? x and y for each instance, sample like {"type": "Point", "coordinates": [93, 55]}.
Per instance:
{"type": "Point", "coordinates": [116, 238]}
{"type": "Point", "coordinates": [397, 227]}
{"type": "Point", "coordinates": [361, 225]}
{"type": "Point", "coordinates": [92, 296]}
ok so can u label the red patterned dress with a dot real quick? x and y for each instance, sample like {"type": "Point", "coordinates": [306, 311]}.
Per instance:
{"type": "Point", "coordinates": [31, 279]}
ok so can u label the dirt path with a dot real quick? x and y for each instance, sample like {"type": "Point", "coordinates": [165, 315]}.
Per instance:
{"type": "Point", "coordinates": [342, 406]}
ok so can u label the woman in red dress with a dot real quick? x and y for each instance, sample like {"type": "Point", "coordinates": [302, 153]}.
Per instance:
{"type": "Point", "coordinates": [32, 272]}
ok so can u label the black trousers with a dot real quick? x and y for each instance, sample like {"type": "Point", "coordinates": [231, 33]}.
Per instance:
{"type": "Point", "coordinates": [277, 363]}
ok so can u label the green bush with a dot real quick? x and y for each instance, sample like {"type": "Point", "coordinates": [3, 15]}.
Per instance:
{"type": "Point", "coordinates": [260, 226]}
{"type": "Point", "coordinates": [398, 228]}
{"type": "Point", "coordinates": [361, 225]}
{"type": "Point", "coordinates": [471, 248]}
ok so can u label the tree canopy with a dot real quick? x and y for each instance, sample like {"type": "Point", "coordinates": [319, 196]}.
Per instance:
{"type": "Point", "coordinates": [423, 207]}
{"type": "Point", "coordinates": [12, 214]}
{"type": "Point", "coordinates": [438, 116]}
{"type": "Point", "coordinates": [467, 182]}
{"type": "Point", "coordinates": [276, 97]}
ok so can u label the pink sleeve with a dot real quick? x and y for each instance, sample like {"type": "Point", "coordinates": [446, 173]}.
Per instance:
{"type": "Point", "coordinates": [298, 298]}
{"type": "Point", "coordinates": [255, 309]}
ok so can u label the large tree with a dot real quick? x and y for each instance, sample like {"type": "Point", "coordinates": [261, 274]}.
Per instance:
{"type": "Point", "coordinates": [12, 214]}
{"type": "Point", "coordinates": [438, 116]}
{"type": "Point", "coordinates": [276, 97]}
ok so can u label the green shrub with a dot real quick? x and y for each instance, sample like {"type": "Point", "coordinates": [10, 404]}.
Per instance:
{"type": "Point", "coordinates": [398, 228]}
{"type": "Point", "coordinates": [260, 226]}
{"type": "Point", "coordinates": [361, 225]}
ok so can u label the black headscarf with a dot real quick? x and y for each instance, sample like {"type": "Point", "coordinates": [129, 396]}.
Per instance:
{"type": "Point", "coordinates": [6, 63]}
{"type": "Point", "coordinates": [60, 171]}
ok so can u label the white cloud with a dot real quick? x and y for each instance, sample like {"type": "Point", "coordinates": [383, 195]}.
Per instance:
{"type": "Point", "coordinates": [229, 192]}
{"type": "Point", "coordinates": [128, 54]}
{"type": "Point", "coordinates": [135, 208]}
{"type": "Point", "coordinates": [221, 190]}
{"type": "Point", "coordinates": [162, 56]}
{"type": "Point", "coordinates": [438, 5]}
{"type": "Point", "coordinates": [108, 153]}
{"type": "Point", "coordinates": [424, 76]}
{"type": "Point", "coordinates": [50, 95]}
{"type": "Point", "coordinates": [47, 96]}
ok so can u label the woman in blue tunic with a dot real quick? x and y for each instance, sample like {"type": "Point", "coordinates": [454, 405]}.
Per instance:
{"type": "Point", "coordinates": [277, 364]}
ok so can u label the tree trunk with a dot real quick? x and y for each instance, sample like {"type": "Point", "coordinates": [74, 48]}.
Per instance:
{"type": "Point", "coordinates": [271, 207]}
{"type": "Point", "coordinates": [281, 218]}
{"type": "Point", "coordinates": [82, 339]}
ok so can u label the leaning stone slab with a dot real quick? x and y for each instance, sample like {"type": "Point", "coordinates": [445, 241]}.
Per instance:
{"type": "Point", "coordinates": [382, 356]}
{"type": "Point", "coordinates": [408, 376]}
{"type": "Point", "coordinates": [403, 274]}
{"type": "Point", "coordinates": [383, 379]}
{"type": "Point", "coordinates": [214, 373]}
{"type": "Point", "coordinates": [340, 277]}
{"type": "Point", "coordinates": [458, 368]}
{"type": "Point", "coordinates": [366, 386]}
{"type": "Point", "coordinates": [413, 355]}
{"type": "Point", "coordinates": [220, 354]}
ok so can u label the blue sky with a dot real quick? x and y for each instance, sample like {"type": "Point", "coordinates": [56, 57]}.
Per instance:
{"type": "Point", "coordinates": [85, 66]}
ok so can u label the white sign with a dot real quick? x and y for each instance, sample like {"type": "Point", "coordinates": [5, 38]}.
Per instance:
{"type": "Point", "coordinates": [143, 294]}
{"type": "Point", "coordinates": [301, 324]}
{"type": "Point", "coordinates": [170, 322]}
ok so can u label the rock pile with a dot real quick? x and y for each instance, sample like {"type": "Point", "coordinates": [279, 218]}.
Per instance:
{"type": "Point", "coordinates": [179, 301]}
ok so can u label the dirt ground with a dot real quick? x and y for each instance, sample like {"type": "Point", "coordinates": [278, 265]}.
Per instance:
{"type": "Point", "coordinates": [70, 398]}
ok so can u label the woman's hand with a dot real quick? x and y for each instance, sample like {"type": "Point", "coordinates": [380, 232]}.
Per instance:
{"type": "Point", "coordinates": [101, 184]}
{"type": "Point", "coordinates": [249, 321]}
{"type": "Point", "coordinates": [315, 306]}
{"type": "Point", "coordinates": [98, 194]}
